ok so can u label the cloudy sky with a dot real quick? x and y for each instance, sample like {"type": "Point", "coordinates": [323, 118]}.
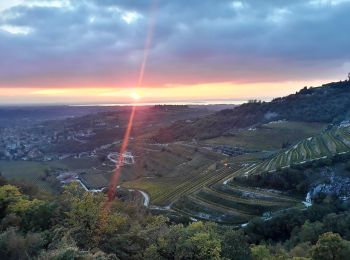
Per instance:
{"type": "Point", "coordinates": [76, 51]}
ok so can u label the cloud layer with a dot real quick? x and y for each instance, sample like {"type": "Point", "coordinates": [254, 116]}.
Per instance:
{"type": "Point", "coordinates": [82, 43]}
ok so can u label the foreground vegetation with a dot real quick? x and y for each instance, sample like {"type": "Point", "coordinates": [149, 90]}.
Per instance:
{"type": "Point", "coordinates": [79, 225]}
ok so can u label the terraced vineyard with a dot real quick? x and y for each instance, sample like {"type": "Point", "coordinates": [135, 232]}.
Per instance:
{"type": "Point", "coordinates": [227, 203]}
{"type": "Point", "coordinates": [165, 194]}
{"type": "Point", "coordinates": [329, 143]}
{"type": "Point", "coordinates": [210, 194]}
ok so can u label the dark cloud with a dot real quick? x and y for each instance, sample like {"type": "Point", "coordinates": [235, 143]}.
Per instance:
{"type": "Point", "coordinates": [91, 42]}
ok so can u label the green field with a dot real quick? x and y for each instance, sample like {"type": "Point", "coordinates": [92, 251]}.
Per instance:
{"type": "Point", "coordinates": [33, 172]}
{"type": "Point", "coordinates": [269, 136]}
{"type": "Point", "coordinates": [28, 171]}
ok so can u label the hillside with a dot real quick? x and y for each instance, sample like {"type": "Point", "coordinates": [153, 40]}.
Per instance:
{"type": "Point", "coordinates": [238, 191]}
{"type": "Point", "coordinates": [328, 103]}
{"type": "Point", "coordinates": [320, 161]}
{"type": "Point", "coordinates": [330, 143]}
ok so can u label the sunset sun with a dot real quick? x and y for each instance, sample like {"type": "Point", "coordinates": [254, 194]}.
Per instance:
{"type": "Point", "coordinates": [135, 95]}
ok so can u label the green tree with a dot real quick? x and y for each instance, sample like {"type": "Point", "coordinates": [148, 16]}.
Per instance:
{"type": "Point", "coordinates": [89, 217]}
{"type": "Point", "coordinates": [330, 246]}
{"type": "Point", "coordinates": [260, 252]}
{"type": "Point", "coordinates": [205, 246]}
{"type": "Point", "coordinates": [200, 241]}
{"type": "Point", "coordinates": [40, 217]}
{"type": "Point", "coordinates": [308, 232]}
{"type": "Point", "coordinates": [235, 246]}
{"type": "Point", "coordinates": [8, 195]}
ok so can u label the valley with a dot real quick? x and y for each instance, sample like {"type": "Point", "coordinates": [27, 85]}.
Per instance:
{"type": "Point", "coordinates": [229, 178]}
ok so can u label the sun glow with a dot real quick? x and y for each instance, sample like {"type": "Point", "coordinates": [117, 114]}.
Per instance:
{"type": "Point", "coordinates": [135, 95]}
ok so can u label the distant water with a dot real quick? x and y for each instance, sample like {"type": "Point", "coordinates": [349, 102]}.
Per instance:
{"type": "Point", "coordinates": [193, 103]}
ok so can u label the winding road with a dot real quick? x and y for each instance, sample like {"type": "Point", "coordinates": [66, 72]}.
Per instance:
{"type": "Point", "coordinates": [146, 198]}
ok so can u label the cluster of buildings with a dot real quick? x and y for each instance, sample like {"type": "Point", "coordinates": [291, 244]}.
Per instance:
{"type": "Point", "coordinates": [32, 144]}
{"type": "Point", "coordinates": [16, 144]}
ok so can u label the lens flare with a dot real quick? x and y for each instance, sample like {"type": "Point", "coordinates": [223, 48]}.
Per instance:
{"type": "Point", "coordinates": [116, 175]}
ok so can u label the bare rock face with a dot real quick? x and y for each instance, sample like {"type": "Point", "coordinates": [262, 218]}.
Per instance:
{"type": "Point", "coordinates": [334, 185]}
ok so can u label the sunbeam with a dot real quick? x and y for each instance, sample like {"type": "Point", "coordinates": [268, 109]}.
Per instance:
{"type": "Point", "coordinates": [116, 175]}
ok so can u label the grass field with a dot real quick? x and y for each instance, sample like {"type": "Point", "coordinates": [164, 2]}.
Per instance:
{"type": "Point", "coordinates": [32, 171]}
{"type": "Point", "coordinates": [28, 171]}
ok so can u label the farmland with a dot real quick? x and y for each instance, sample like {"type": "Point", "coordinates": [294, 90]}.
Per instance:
{"type": "Point", "coordinates": [228, 203]}
{"type": "Point", "coordinates": [270, 136]}
{"type": "Point", "coordinates": [28, 171]}
{"type": "Point", "coordinates": [35, 172]}
{"type": "Point", "coordinates": [211, 194]}
{"type": "Point", "coordinates": [327, 144]}
{"type": "Point", "coordinates": [205, 195]}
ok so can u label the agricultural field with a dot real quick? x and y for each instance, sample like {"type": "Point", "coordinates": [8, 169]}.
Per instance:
{"type": "Point", "coordinates": [174, 170]}
{"type": "Point", "coordinates": [223, 202]}
{"type": "Point", "coordinates": [271, 136]}
{"type": "Point", "coordinates": [206, 195]}
{"type": "Point", "coordinates": [28, 171]}
{"type": "Point", "coordinates": [327, 144]}
{"type": "Point", "coordinates": [35, 172]}
{"type": "Point", "coordinates": [210, 193]}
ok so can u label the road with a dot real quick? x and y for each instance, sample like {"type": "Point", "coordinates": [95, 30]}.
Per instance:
{"type": "Point", "coordinates": [146, 198]}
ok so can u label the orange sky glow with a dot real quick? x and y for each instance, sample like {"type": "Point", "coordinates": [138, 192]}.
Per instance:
{"type": "Point", "coordinates": [199, 92]}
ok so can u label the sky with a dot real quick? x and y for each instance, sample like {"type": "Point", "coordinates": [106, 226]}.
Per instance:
{"type": "Point", "coordinates": [111, 51]}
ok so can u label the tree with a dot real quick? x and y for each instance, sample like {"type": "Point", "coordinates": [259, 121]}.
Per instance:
{"type": "Point", "coordinates": [205, 246]}
{"type": "Point", "coordinates": [235, 246]}
{"type": "Point", "coordinates": [89, 217]}
{"type": "Point", "coordinates": [260, 252]}
{"type": "Point", "coordinates": [197, 241]}
{"type": "Point", "coordinates": [15, 246]}
{"type": "Point", "coordinates": [40, 217]}
{"type": "Point", "coordinates": [308, 232]}
{"type": "Point", "coordinates": [8, 194]}
{"type": "Point", "coordinates": [330, 246]}
{"type": "Point", "coordinates": [13, 201]}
